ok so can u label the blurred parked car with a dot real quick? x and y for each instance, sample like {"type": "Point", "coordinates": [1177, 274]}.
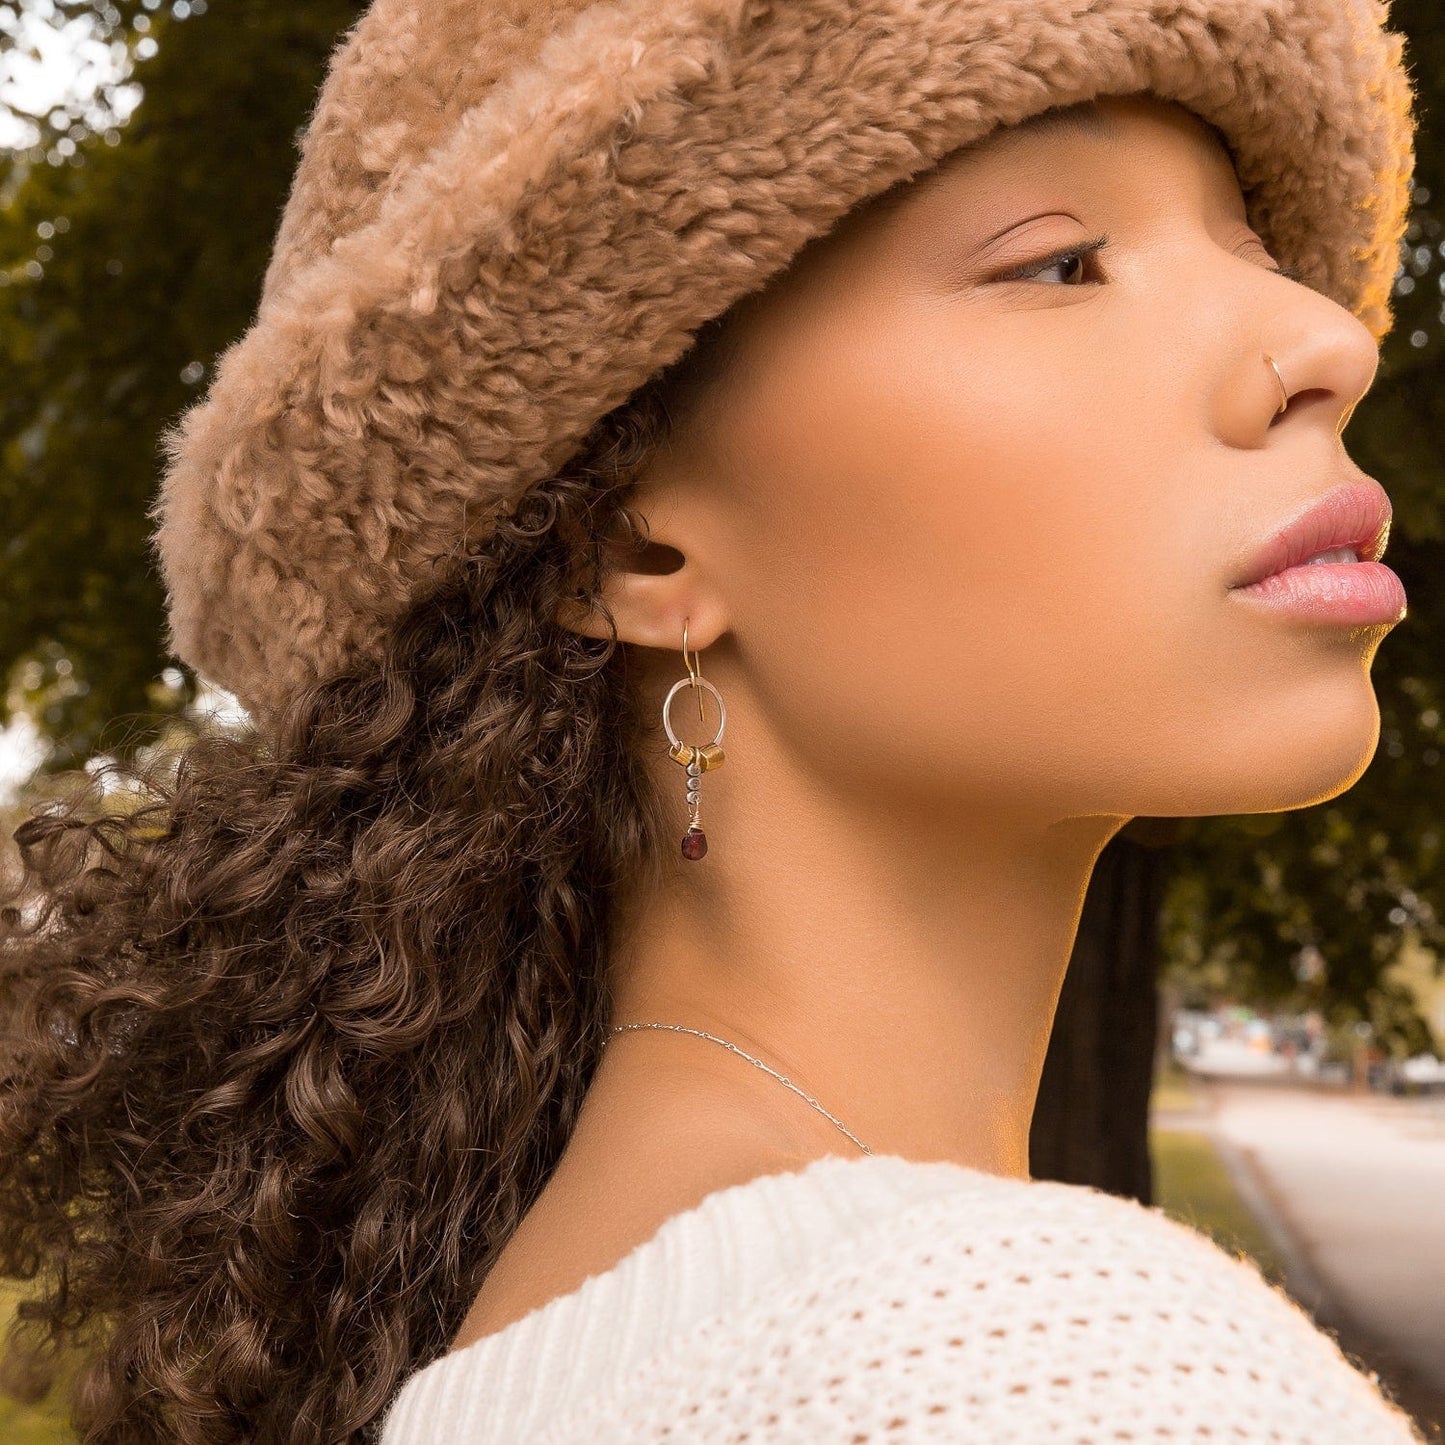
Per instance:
{"type": "Point", "coordinates": [1422, 1074]}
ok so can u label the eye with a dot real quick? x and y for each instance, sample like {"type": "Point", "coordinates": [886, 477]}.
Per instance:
{"type": "Point", "coordinates": [1072, 261]}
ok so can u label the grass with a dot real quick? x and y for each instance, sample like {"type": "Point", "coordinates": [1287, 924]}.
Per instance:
{"type": "Point", "coordinates": [46, 1423]}
{"type": "Point", "coordinates": [33, 1424]}
{"type": "Point", "coordinates": [1192, 1182]}
{"type": "Point", "coordinates": [1174, 1088]}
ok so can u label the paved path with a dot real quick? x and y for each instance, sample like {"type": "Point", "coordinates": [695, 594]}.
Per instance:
{"type": "Point", "coordinates": [1353, 1188]}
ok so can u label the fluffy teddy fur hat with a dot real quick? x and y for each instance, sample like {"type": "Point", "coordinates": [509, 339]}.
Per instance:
{"type": "Point", "coordinates": [509, 214]}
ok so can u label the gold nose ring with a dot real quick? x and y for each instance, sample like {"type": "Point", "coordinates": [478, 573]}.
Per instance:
{"type": "Point", "coordinates": [1283, 389]}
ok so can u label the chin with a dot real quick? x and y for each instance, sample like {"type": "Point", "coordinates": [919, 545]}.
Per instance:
{"type": "Point", "coordinates": [1278, 755]}
{"type": "Point", "coordinates": [1330, 744]}
{"type": "Point", "coordinates": [1309, 768]}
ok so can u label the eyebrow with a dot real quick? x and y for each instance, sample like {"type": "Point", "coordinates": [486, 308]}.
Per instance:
{"type": "Point", "coordinates": [1081, 118]}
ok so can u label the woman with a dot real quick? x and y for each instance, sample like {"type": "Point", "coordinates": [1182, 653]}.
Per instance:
{"type": "Point", "coordinates": [467, 1054]}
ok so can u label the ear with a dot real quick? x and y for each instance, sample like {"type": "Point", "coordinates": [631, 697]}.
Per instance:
{"type": "Point", "coordinates": [651, 587]}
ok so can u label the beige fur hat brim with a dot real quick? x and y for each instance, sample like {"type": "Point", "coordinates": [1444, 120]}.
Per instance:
{"type": "Point", "coordinates": [508, 215]}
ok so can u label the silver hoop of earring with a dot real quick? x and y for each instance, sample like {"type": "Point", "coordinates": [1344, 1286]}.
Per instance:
{"type": "Point", "coordinates": [697, 760]}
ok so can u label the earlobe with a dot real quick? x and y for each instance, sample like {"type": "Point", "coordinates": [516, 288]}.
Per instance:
{"type": "Point", "coordinates": [646, 608]}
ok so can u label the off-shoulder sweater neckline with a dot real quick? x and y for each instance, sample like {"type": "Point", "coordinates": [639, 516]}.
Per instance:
{"type": "Point", "coordinates": [707, 1259]}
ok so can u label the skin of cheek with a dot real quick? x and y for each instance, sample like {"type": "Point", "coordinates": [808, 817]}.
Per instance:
{"type": "Point", "coordinates": [986, 547]}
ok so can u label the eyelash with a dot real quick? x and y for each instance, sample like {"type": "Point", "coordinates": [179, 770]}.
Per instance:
{"type": "Point", "coordinates": [1026, 272]}
{"type": "Point", "coordinates": [1090, 248]}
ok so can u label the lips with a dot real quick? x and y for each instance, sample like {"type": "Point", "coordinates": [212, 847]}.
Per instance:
{"type": "Point", "coordinates": [1354, 514]}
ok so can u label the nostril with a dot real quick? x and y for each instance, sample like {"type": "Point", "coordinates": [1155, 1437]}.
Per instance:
{"type": "Point", "coordinates": [1310, 396]}
{"type": "Point", "coordinates": [1313, 396]}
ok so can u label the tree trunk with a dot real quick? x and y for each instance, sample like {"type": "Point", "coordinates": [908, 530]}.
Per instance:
{"type": "Point", "coordinates": [1091, 1119]}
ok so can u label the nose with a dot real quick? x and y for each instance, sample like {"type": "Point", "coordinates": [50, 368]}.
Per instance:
{"type": "Point", "coordinates": [1326, 355]}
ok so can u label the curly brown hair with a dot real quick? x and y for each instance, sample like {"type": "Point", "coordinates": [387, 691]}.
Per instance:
{"type": "Point", "coordinates": [292, 1045]}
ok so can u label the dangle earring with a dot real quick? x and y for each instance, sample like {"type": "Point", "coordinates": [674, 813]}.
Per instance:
{"type": "Point", "coordinates": [697, 760]}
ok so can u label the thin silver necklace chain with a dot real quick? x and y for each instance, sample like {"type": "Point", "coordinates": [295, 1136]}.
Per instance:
{"type": "Point", "coordinates": [808, 1098]}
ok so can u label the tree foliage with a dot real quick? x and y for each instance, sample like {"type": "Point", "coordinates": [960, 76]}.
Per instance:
{"type": "Point", "coordinates": [132, 254]}
{"type": "Point", "coordinates": [1314, 906]}
{"type": "Point", "coordinates": [130, 265]}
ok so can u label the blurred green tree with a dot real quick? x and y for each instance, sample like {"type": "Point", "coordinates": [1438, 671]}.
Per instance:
{"type": "Point", "coordinates": [1313, 907]}
{"type": "Point", "coordinates": [131, 254]}
{"type": "Point", "coordinates": [1310, 907]}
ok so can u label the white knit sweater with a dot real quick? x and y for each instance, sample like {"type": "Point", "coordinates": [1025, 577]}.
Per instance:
{"type": "Point", "coordinates": [879, 1299]}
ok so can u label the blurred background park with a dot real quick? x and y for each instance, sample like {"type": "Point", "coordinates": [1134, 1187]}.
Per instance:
{"type": "Point", "coordinates": [1252, 1028]}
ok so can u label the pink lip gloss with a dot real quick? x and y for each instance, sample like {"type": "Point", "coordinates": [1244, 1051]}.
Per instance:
{"type": "Point", "coordinates": [1350, 593]}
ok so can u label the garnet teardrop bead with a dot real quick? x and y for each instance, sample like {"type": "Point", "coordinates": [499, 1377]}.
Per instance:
{"type": "Point", "coordinates": [694, 843]}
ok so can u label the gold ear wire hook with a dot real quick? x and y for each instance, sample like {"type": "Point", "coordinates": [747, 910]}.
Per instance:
{"type": "Point", "coordinates": [693, 670]}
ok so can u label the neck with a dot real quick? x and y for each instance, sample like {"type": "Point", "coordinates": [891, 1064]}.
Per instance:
{"type": "Point", "coordinates": [902, 965]}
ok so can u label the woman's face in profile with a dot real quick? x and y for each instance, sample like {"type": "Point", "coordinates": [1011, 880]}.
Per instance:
{"type": "Point", "coordinates": [987, 463]}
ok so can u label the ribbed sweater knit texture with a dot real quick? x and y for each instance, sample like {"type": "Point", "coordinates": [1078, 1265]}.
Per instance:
{"type": "Point", "coordinates": [876, 1298]}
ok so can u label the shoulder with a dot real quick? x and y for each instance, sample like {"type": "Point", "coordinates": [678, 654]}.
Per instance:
{"type": "Point", "coordinates": [685, 1254]}
{"type": "Point", "coordinates": [861, 1295]}
{"type": "Point", "coordinates": [629, 1169]}
{"type": "Point", "coordinates": [1015, 1310]}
